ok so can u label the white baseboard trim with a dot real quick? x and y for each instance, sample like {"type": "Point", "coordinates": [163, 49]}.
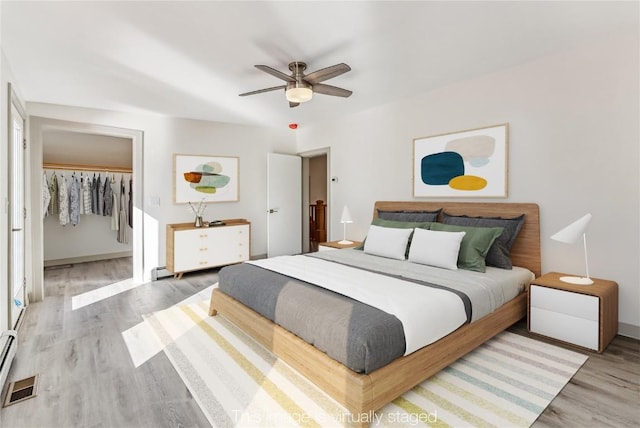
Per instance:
{"type": "Point", "coordinates": [83, 259]}
{"type": "Point", "coordinates": [629, 330]}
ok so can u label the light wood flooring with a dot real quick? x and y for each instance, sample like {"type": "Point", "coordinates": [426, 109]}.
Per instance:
{"type": "Point", "coordinates": [87, 378]}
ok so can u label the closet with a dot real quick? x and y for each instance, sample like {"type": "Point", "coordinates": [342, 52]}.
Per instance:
{"type": "Point", "coordinates": [95, 174]}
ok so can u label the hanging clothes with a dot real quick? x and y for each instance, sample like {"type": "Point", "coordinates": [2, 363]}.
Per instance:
{"type": "Point", "coordinates": [74, 200]}
{"type": "Point", "coordinates": [54, 205]}
{"type": "Point", "coordinates": [94, 195]}
{"type": "Point", "coordinates": [108, 198]}
{"type": "Point", "coordinates": [87, 200]}
{"type": "Point", "coordinates": [81, 193]}
{"type": "Point", "coordinates": [46, 195]}
{"type": "Point", "coordinates": [115, 224]}
{"type": "Point", "coordinates": [63, 199]}
{"type": "Point", "coordinates": [131, 202]}
{"type": "Point", "coordinates": [100, 196]}
{"type": "Point", "coordinates": [122, 231]}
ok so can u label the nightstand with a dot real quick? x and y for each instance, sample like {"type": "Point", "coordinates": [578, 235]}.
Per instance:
{"type": "Point", "coordinates": [581, 315]}
{"type": "Point", "coordinates": [335, 245]}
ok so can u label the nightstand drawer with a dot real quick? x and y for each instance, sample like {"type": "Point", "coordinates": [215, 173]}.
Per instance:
{"type": "Point", "coordinates": [563, 302]}
{"type": "Point", "coordinates": [579, 331]}
{"type": "Point", "coordinates": [583, 315]}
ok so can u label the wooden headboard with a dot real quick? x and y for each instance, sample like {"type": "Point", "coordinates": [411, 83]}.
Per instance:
{"type": "Point", "coordinates": [526, 250]}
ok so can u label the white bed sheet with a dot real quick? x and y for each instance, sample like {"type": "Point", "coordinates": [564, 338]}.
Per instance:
{"type": "Point", "coordinates": [426, 313]}
{"type": "Point", "coordinates": [487, 291]}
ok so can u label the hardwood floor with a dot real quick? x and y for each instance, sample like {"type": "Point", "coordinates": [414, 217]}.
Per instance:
{"type": "Point", "coordinates": [87, 378]}
{"type": "Point", "coordinates": [605, 392]}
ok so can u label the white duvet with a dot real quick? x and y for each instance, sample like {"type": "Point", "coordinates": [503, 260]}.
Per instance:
{"type": "Point", "coordinates": [427, 314]}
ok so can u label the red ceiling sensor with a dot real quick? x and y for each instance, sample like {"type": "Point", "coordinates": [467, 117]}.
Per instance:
{"type": "Point", "coordinates": [293, 125]}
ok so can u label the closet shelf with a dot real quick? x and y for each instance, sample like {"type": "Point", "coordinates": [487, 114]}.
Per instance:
{"type": "Point", "coordinates": [92, 168]}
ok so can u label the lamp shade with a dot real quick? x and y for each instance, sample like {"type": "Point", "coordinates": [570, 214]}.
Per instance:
{"type": "Point", "coordinates": [346, 215]}
{"type": "Point", "coordinates": [574, 231]}
{"type": "Point", "coordinates": [570, 235]}
{"type": "Point", "coordinates": [298, 92]}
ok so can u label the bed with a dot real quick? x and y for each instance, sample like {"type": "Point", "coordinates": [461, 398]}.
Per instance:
{"type": "Point", "coordinates": [362, 393]}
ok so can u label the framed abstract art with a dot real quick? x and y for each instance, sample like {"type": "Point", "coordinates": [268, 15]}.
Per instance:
{"type": "Point", "coordinates": [469, 164]}
{"type": "Point", "coordinates": [208, 178]}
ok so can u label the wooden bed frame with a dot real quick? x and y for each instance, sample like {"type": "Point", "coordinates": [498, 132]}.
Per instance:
{"type": "Point", "coordinates": [364, 393]}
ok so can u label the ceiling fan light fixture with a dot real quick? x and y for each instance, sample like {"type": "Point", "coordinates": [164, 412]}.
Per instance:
{"type": "Point", "coordinates": [300, 87]}
{"type": "Point", "coordinates": [299, 94]}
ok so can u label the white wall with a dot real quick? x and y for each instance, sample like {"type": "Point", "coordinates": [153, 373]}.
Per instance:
{"type": "Point", "coordinates": [164, 137]}
{"type": "Point", "coordinates": [573, 148]}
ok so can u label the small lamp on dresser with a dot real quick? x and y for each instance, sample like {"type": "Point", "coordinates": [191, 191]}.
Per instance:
{"type": "Point", "coordinates": [570, 235]}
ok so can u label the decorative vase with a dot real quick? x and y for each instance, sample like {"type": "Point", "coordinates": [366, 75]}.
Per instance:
{"type": "Point", "coordinates": [198, 222]}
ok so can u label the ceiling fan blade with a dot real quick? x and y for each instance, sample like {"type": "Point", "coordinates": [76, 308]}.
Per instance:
{"type": "Point", "coordinates": [292, 105]}
{"type": "Point", "coordinates": [326, 73]}
{"type": "Point", "coordinates": [275, 73]}
{"type": "Point", "coordinates": [259, 91]}
{"type": "Point", "coordinates": [321, 88]}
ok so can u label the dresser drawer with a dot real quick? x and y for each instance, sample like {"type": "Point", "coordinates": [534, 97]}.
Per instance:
{"type": "Point", "coordinates": [229, 245]}
{"type": "Point", "coordinates": [192, 250]}
{"type": "Point", "coordinates": [565, 302]}
{"type": "Point", "coordinates": [579, 331]}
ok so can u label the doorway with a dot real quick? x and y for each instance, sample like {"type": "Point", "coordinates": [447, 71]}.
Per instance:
{"type": "Point", "coordinates": [316, 196]}
{"type": "Point", "coordinates": [39, 126]}
{"type": "Point", "coordinates": [17, 213]}
{"type": "Point", "coordinates": [98, 165]}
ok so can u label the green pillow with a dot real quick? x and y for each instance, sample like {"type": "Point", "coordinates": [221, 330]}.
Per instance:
{"type": "Point", "coordinates": [475, 244]}
{"type": "Point", "coordinates": [397, 225]}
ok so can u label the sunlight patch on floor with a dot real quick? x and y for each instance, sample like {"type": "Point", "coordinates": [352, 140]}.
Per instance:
{"type": "Point", "coordinates": [93, 296]}
{"type": "Point", "coordinates": [143, 343]}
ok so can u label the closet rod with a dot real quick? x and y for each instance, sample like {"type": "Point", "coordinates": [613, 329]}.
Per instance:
{"type": "Point", "coordinates": [72, 167]}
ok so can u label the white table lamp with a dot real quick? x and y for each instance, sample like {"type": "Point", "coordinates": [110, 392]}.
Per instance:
{"type": "Point", "coordinates": [570, 235]}
{"type": "Point", "coordinates": [344, 219]}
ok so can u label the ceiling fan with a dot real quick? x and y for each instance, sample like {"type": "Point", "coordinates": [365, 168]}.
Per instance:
{"type": "Point", "coordinates": [300, 87]}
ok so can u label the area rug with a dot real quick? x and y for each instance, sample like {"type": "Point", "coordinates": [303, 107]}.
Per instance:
{"type": "Point", "coordinates": [508, 381]}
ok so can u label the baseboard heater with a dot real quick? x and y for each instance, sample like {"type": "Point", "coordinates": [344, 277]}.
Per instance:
{"type": "Point", "coordinates": [159, 273]}
{"type": "Point", "coordinates": [8, 349]}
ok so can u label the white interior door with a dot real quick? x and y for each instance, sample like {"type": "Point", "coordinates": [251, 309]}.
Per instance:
{"type": "Point", "coordinates": [17, 296]}
{"type": "Point", "coordinates": [284, 204]}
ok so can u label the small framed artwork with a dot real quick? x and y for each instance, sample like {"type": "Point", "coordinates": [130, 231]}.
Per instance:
{"type": "Point", "coordinates": [469, 163]}
{"type": "Point", "coordinates": [209, 178]}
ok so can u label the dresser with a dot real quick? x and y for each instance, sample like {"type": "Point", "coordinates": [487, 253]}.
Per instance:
{"type": "Point", "coordinates": [192, 248]}
{"type": "Point", "coordinates": [582, 315]}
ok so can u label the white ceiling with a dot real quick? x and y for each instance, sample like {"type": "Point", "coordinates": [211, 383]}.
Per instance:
{"type": "Point", "coordinates": [192, 59]}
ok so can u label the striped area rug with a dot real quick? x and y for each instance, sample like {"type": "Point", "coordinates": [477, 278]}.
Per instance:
{"type": "Point", "coordinates": [508, 381]}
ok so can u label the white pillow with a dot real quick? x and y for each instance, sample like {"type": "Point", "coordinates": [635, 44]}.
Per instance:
{"type": "Point", "coordinates": [387, 242]}
{"type": "Point", "coordinates": [435, 248]}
